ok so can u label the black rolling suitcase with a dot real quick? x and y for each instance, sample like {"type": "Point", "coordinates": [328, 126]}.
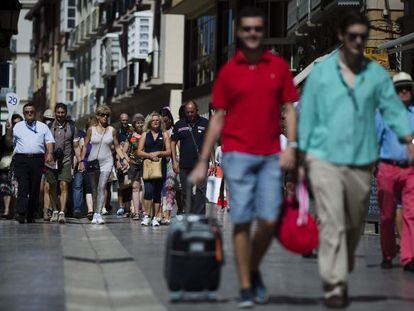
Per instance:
{"type": "Point", "coordinates": [194, 254]}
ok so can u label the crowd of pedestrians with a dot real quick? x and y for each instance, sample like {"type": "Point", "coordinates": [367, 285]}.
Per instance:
{"type": "Point", "coordinates": [52, 163]}
{"type": "Point", "coordinates": [354, 122]}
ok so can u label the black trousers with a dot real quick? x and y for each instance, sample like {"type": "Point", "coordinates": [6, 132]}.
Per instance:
{"type": "Point", "coordinates": [28, 170]}
{"type": "Point", "coordinates": [198, 204]}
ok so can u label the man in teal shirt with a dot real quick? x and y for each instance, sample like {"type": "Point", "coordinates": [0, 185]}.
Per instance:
{"type": "Point", "coordinates": [338, 135]}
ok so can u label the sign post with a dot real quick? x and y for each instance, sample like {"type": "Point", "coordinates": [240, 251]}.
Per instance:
{"type": "Point", "coordinates": [12, 101]}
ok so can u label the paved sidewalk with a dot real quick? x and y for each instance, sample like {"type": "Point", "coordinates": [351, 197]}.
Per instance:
{"type": "Point", "coordinates": [119, 266]}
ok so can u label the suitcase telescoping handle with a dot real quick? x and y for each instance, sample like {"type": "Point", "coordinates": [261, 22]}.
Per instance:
{"type": "Point", "coordinates": [189, 194]}
{"type": "Point", "coordinates": [191, 189]}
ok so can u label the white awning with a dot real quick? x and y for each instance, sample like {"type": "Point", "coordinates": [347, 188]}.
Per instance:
{"type": "Point", "coordinates": [398, 44]}
{"type": "Point", "coordinates": [298, 79]}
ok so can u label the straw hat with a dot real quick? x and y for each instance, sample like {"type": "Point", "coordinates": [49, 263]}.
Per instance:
{"type": "Point", "coordinates": [48, 114]}
{"type": "Point", "coordinates": [403, 79]}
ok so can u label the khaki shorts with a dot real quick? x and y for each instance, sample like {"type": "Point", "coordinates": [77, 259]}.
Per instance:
{"type": "Point", "coordinates": [65, 174]}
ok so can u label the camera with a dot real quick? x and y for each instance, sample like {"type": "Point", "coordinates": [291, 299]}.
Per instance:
{"type": "Point", "coordinates": [58, 154]}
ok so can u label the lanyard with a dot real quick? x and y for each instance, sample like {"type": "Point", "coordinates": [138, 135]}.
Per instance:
{"type": "Point", "coordinates": [33, 129]}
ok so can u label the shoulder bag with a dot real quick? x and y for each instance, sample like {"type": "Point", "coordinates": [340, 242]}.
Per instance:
{"type": "Point", "coordinates": [151, 169]}
{"type": "Point", "coordinates": [93, 166]}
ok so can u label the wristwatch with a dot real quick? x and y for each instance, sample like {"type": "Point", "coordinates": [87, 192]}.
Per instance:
{"type": "Point", "coordinates": [292, 144]}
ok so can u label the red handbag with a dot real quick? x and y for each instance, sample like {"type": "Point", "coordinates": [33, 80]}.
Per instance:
{"type": "Point", "coordinates": [297, 230]}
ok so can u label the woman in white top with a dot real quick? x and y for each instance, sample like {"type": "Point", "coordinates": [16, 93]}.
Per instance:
{"type": "Point", "coordinates": [102, 137]}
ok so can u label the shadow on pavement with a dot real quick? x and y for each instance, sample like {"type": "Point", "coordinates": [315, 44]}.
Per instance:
{"type": "Point", "coordinates": [308, 301]}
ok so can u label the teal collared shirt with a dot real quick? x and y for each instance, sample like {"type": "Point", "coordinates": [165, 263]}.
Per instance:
{"type": "Point", "coordinates": [337, 123]}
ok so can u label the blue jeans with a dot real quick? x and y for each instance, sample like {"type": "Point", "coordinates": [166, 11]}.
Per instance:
{"type": "Point", "coordinates": [255, 189]}
{"type": "Point", "coordinates": [77, 191]}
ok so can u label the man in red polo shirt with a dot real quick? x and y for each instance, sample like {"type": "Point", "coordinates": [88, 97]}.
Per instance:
{"type": "Point", "coordinates": [248, 96]}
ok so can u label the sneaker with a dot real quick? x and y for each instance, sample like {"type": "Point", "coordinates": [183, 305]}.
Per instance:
{"type": "Point", "coordinates": [258, 288]}
{"type": "Point", "coordinates": [386, 264]}
{"type": "Point", "coordinates": [120, 211]}
{"type": "Point", "coordinates": [245, 299]}
{"type": "Point", "coordinates": [104, 211]}
{"type": "Point", "coordinates": [99, 219]}
{"type": "Point", "coordinates": [61, 218]}
{"type": "Point", "coordinates": [146, 221]}
{"type": "Point", "coordinates": [94, 219]}
{"type": "Point", "coordinates": [163, 222]}
{"type": "Point", "coordinates": [55, 216]}
{"type": "Point", "coordinates": [155, 223]}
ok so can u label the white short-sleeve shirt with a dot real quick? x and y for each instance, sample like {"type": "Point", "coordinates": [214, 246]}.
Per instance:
{"type": "Point", "coordinates": [31, 139]}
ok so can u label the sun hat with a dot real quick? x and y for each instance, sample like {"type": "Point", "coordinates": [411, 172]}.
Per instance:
{"type": "Point", "coordinates": [403, 79]}
{"type": "Point", "coordinates": [48, 114]}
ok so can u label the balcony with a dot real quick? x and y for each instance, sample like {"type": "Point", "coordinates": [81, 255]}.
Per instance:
{"type": "Point", "coordinates": [304, 14]}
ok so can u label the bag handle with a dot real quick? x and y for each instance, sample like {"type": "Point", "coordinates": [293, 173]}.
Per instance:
{"type": "Point", "coordinates": [194, 141]}
{"type": "Point", "coordinates": [303, 198]}
{"type": "Point", "coordinates": [100, 144]}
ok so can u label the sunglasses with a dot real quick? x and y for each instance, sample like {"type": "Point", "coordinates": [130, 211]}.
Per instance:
{"type": "Point", "coordinates": [29, 112]}
{"type": "Point", "coordinates": [352, 36]}
{"type": "Point", "coordinates": [250, 28]}
{"type": "Point", "coordinates": [401, 89]}
{"type": "Point", "coordinates": [104, 115]}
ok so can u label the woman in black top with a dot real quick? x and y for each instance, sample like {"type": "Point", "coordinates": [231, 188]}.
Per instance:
{"type": "Point", "coordinates": [155, 146]}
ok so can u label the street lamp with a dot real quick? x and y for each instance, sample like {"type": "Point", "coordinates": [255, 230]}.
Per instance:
{"type": "Point", "coordinates": [9, 18]}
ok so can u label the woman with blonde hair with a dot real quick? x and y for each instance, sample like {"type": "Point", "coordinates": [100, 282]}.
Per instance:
{"type": "Point", "coordinates": [100, 162]}
{"type": "Point", "coordinates": [154, 146]}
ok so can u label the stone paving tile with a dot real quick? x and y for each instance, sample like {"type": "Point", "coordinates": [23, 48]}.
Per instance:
{"type": "Point", "coordinates": [31, 267]}
{"type": "Point", "coordinates": [292, 281]}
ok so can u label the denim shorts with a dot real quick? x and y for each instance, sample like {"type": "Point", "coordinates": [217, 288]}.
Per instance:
{"type": "Point", "coordinates": [255, 189]}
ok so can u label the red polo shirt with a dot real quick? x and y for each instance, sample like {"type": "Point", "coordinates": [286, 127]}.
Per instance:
{"type": "Point", "coordinates": [252, 95]}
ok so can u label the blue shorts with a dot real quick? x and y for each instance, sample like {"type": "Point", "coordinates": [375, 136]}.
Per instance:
{"type": "Point", "coordinates": [255, 189]}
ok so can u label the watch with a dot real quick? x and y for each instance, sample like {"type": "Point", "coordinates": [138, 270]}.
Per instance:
{"type": "Point", "coordinates": [292, 144]}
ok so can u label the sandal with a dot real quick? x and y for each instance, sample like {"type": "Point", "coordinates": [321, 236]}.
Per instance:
{"type": "Point", "coordinates": [127, 215]}
{"type": "Point", "coordinates": [89, 216]}
{"type": "Point", "coordinates": [136, 217]}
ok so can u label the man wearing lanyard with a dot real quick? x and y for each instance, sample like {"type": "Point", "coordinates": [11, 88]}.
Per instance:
{"type": "Point", "coordinates": [396, 180]}
{"type": "Point", "coordinates": [30, 137]}
{"type": "Point", "coordinates": [190, 133]}
{"type": "Point", "coordinates": [337, 132]}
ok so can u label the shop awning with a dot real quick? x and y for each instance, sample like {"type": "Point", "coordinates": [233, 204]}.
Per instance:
{"type": "Point", "coordinates": [401, 44]}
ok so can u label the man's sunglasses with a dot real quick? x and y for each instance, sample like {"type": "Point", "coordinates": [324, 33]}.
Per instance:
{"type": "Point", "coordinates": [352, 36]}
{"type": "Point", "coordinates": [401, 89]}
{"type": "Point", "coordinates": [250, 28]}
{"type": "Point", "coordinates": [104, 115]}
{"type": "Point", "coordinates": [29, 112]}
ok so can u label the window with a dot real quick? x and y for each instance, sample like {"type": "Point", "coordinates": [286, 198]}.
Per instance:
{"type": "Point", "coordinates": [140, 35]}
{"type": "Point", "coordinates": [67, 15]}
{"type": "Point", "coordinates": [70, 84]}
{"type": "Point", "coordinates": [202, 49]}
{"type": "Point", "coordinates": [227, 35]}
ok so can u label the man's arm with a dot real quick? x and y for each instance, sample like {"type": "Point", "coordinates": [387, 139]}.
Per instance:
{"type": "Point", "coordinates": [288, 157]}
{"type": "Point", "coordinates": [213, 133]}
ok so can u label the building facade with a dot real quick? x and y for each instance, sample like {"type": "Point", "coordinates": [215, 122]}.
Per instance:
{"type": "Point", "coordinates": [17, 70]}
{"type": "Point", "coordinates": [52, 21]}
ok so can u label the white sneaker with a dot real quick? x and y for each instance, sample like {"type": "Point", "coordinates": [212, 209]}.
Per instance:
{"type": "Point", "coordinates": [155, 223]}
{"type": "Point", "coordinates": [99, 219]}
{"type": "Point", "coordinates": [146, 221]}
{"type": "Point", "coordinates": [104, 211]}
{"type": "Point", "coordinates": [55, 216]}
{"type": "Point", "coordinates": [94, 220]}
{"type": "Point", "coordinates": [61, 218]}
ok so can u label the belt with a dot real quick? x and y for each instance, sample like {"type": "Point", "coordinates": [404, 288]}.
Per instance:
{"type": "Point", "coordinates": [402, 164]}
{"type": "Point", "coordinates": [30, 155]}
